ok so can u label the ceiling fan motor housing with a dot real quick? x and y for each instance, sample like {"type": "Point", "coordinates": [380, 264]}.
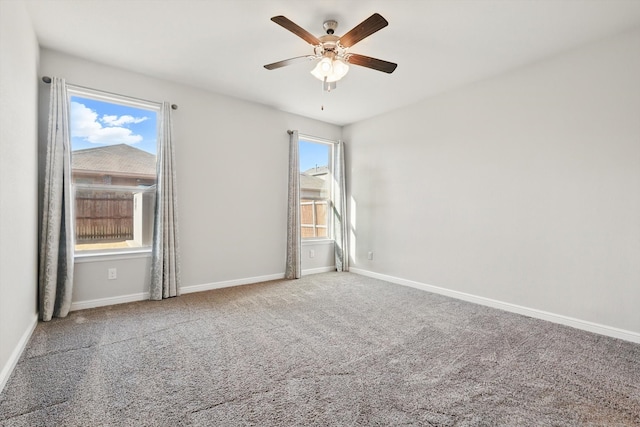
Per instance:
{"type": "Point", "coordinates": [330, 26]}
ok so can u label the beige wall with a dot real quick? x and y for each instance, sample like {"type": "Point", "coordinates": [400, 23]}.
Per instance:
{"type": "Point", "coordinates": [524, 188]}
{"type": "Point", "coordinates": [18, 183]}
{"type": "Point", "coordinates": [226, 150]}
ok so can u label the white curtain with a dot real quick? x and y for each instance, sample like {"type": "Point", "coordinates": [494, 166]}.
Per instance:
{"type": "Point", "coordinates": [293, 269]}
{"type": "Point", "coordinates": [55, 276]}
{"type": "Point", "coordinates": [165, 264]}
{"type": "Point", "coordinates": [340, 210]}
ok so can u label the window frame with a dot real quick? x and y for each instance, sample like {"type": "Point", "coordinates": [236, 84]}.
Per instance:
{"type": "Point", "coordinates": [128, 101]}
{"type": "Point", "coordinates": [330, 166]}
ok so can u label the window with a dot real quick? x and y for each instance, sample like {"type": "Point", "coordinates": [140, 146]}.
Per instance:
{"type": "Point", "coordinates": [315, 188]}
{"type": "Point", "coordinates": [113, 170]}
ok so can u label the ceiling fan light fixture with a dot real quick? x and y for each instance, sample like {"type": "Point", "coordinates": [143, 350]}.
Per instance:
{"type": "Point", "coordinates": [330, 70]}
{"type": "Point", "coordinates": [322, 69]}
{"type": "Point", "coordinates": [325, 66]}
{"type": "Point", "coordinates": [340, 68]}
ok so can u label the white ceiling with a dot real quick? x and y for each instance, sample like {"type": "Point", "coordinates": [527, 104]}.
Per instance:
{"type": "Point", "coordinates": [222, 45]}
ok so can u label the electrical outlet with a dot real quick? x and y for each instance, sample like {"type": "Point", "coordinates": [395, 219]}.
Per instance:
{"type": "Point", "coordinates": [312, 253]}
{"type": "Point", "coordinates": [112, 274]}
{"type": "Point", "coordinates": [370, 256]}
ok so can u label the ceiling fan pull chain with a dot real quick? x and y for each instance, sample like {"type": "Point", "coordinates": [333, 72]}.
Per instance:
{"type": "Point", "coordinates": [322, 94]}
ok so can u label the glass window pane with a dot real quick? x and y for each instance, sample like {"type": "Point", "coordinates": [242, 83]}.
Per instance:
{"type": "Point", "coordinates": [113, 167]}
{"type": "Point", "coordinates": [315, 189]}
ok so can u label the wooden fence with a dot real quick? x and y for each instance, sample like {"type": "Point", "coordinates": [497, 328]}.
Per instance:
{"type": "Point", "coordinates": [103, 216]}
{"type": "Point", "coordinates": [313, 218]}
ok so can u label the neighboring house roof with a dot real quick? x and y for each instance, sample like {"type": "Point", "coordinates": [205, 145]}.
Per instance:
{"type": "Point", "coordinates": [308, 182]}
{"type": "Point", "coordinates": [318, 170]}
{"type": "Point", "coordinates": [120, 159]}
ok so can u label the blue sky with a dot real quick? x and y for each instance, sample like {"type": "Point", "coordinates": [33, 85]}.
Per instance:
{"type": "Point", "coordinates": [97, 124]}
{"type": "Point", "coordinates": [313, 154]}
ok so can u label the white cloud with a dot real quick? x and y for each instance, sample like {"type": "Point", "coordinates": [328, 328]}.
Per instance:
{"type": "Point", "coordinates": [114, 135]}
{"type": "Point", "coordinates": [85, 124]}
{"type": "Point", "coordinates": [122, 120]}
{"type": "Point", "coordinates": [108, 119]}
{"type": "Point", "coordinates": [83, 120]}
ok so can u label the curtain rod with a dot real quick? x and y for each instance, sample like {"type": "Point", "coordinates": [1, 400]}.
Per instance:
{"type": "Point", "coordinates": [47, 80]}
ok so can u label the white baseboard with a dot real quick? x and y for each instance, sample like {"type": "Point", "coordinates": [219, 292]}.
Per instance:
{"type": "Point", "coordinates": [229, 283]}
{"type": "Point", "coordinates": [248, 280]}
{"type": "Point", "coordinates": [513, 308]}
{"type": "Point", "coordinates": [8, 368]}
{"type": "Point", "coordinates": [101, 302]}
{"type": "Point", "coordinates": [318, 270]}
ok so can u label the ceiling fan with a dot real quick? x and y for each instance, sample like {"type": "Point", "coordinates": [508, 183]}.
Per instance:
{"type": "Point", "coordinates": [332, 52]}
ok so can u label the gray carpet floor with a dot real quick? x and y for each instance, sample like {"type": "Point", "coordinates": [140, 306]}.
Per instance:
{"type": "Point", "coordinates": [334, 349]}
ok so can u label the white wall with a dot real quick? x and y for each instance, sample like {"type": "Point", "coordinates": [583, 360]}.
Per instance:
{"type": "Point", "coordinates": [317, 257]}
{"type": "Point", "coordinates": [18, 183]}
{"type": "Point", "coordinates": [524, 188]}
{"type": "Point", "coordinates": [232, 161]}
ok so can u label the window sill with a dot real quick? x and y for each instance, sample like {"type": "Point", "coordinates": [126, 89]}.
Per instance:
{"type": "Point", "coordinates": [111, 256]}
{"type": "Point", "coordinates": [317, 242]}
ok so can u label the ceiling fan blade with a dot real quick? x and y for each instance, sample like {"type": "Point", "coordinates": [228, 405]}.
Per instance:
{"type": "Point", "coordinates": [296, 29]}
{"type": "Point", "coordinates": [289, 61]}
{"type": "Point", "coordinates": [367, 27]}
{"type": "Point", "coordinates": [373, 63]}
